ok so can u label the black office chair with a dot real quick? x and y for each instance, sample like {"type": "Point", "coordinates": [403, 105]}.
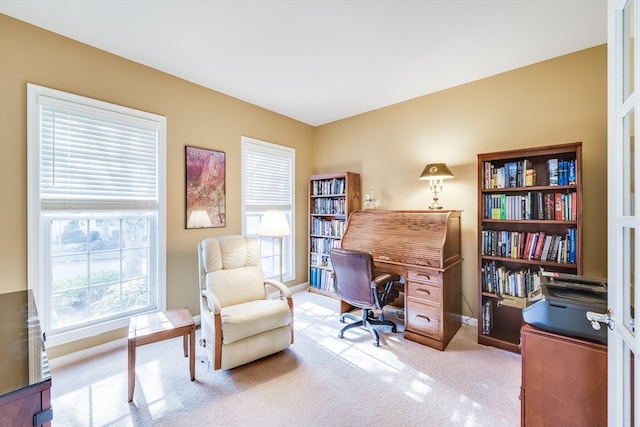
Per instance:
{"type": "Point", "coordinates": [358, 285]}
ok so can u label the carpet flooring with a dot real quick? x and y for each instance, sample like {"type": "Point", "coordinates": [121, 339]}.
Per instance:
{"type": "Point", "coordinates": [320, 380]}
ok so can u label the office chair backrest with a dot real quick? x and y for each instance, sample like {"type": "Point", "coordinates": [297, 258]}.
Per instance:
{"type": "Point", "coordinates": [353, 275]}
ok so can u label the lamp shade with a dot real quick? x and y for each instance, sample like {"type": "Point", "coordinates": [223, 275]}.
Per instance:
{"type": "Point", "coordinates": [274, 224]}
{"type": "Point", "coordinates": [436, 171]}
{"type": "Point", "coordinates": [199, 218]}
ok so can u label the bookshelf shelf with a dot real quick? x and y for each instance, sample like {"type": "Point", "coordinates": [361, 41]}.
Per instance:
{"type": "Point", "coordinates": [332, 197]}
{"type": "Point", "coordinates": [529, 218]}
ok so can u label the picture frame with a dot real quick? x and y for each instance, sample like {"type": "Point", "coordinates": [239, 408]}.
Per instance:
{"type": "Point", "coordinates": [205, 192]}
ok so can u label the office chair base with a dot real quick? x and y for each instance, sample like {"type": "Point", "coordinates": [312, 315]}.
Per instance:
{"type": "Point", "coordinates": [368, 321]}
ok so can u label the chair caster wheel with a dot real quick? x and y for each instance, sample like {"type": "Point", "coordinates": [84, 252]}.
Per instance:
{"type": "Point", "coordinates": [394, 329]}
{"type": "Point", "coordinates": [376, 343]}
{"type": "Point", "coordinates": [340, 335]}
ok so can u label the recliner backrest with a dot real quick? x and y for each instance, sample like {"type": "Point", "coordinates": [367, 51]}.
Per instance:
{"type": "Point", "coordinates": [353, 273]}
{"type": "Point", "coordinates": [230, 267]}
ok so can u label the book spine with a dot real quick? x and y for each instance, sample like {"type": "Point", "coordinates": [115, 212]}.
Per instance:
{"type": "Point", "coordinates": [558, 207]}
{"type": "Point", "coordinates": [539, 246]}
{"type": "Point", "coordinates": [572, 246]}
{"type": "Point", "coordinates": [572, 172]}
{"type": "Point", "coordinates": [552, 170]}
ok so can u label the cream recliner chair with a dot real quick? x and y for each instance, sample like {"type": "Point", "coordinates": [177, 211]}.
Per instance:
{"type": "Point", "coordinates": [240, 321]}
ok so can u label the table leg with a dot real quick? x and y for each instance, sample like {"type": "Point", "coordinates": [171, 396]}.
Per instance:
{"type": "Point", "coordinates": [185, 348]}
{"type": "Point", "coordinates": [192, 352]}
{"type": "Point", "coordinates": [132, 367]}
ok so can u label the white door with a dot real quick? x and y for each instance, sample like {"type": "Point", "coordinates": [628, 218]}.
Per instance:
{"type": "Point", "coordinates": [623, 218]}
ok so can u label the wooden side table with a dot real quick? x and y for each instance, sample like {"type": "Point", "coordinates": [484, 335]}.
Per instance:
{"type": "Point", "coordinates": [154, 327]}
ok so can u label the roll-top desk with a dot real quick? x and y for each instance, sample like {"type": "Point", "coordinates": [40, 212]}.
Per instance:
{"type": "Point", "coordinates": [25, 378]}
{"type": "Point", "coordinates": [424, 248]}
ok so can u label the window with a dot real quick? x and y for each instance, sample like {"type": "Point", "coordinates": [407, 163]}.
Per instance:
{"type": "Point", "coordinates": [267, 184]}
{"type": "Point", "coordinates": [96, 228]}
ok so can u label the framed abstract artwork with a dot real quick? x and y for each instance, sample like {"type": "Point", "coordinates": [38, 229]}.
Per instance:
{"type": "Point", "coordinates": [205, 192]}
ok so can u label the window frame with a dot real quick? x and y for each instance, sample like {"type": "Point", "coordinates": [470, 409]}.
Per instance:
{"type": "Point", "coordinates": [271, 243]}
{"type": "Point", "coordinates": [37, 239]}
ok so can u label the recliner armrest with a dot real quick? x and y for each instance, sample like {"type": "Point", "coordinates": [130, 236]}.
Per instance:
{"type": "Point", "coordinates": [284, 291]}
{"type": "Point", "coordinates": [212, 302]}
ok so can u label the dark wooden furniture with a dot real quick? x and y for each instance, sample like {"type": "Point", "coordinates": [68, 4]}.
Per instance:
{"type": "Point", "coordinates": [564, 380]}
{"type": "Point", "coordinates": [424, 248]}
{"type": "Point", "coordinates": [332, 197]}
{"type": "Point", "coordinates": [154, 327]}
{"type": "Point", "coordinates": [515, 209]}
{"type": "Point", "coordinates": [25, 377]}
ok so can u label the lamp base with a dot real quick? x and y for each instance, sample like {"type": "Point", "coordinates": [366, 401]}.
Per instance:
{"type": "Point", "coordinates": [435, 205]}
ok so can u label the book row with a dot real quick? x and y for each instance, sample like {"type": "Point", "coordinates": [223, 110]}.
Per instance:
{"type": "Point", "coordinates": [534, 205]}
{"type": "Point", "coordinates": [328, 187]}
{"type": "Point", "coordinates": [325, 227]}
{"type": "Point", "coordinates": [321, 278]}
{"type": "Point", "coordinates": [323, 245]}
{"type": "Point", "coordinates": [522, 174]}
{"type": "Point", "coordinates": [561, 172]}
{"type": "Point", "coordinates": [531, 245]}
{"type": "Point", "coordinates": [328, 206]}
{"type": "Point", "coordinates": [499, 280]}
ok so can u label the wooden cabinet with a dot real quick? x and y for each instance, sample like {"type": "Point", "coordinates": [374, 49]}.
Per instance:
{"type": "Point", "coordinates": [529, 217]}
{"type": "Point", "coordinates": [432, 305]}
{"type": "Point", "coordinates": [424, 247]}
{"type": "Point", "coordinates": [25, 383]}
{"type": "Point", "coordinates": [332, 197]}
{"type": "Point", "coordinates": [564, 380]}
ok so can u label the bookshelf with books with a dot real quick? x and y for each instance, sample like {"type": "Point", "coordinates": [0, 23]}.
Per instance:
{"type": "Point", "coordinates": [529, 219]}
{"type": "Point", "coordinates": [332, 197]}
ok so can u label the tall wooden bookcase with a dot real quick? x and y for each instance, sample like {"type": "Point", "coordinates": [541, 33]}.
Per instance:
{"type": "Point", "coordinates": [529, 218]}
{"type": "Point", "coordinates": [332, 197]}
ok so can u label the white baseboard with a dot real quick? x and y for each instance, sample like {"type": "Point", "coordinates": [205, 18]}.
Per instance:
{"type": "Point", "coordinates": [471, 321]}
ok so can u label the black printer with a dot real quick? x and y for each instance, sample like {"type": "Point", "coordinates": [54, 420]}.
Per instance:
{"type": "Point", "coordinates": [562, 302]}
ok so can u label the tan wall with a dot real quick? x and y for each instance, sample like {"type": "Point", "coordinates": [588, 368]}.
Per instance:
{"type": "Point", "coordinates": [556, 101]}
{"type": "Point", "coordinates": [195, 116]}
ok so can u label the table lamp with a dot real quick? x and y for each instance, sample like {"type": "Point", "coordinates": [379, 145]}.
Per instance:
{"type": "Point", "coordinates": [199, 218]}
{"type": "Point", "coordinates": [436, 173]}
{"type": "Point", "coordinates": [274, 224]}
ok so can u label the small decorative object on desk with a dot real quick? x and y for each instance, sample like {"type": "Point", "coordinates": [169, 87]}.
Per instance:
{"type": "Point", "coordinates": [369, 201]}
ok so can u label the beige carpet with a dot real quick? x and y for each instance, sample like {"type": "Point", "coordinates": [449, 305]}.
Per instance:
{"type": "Point", "coordinates": [319, 381]}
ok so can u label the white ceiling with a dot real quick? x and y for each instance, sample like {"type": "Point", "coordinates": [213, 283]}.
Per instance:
{"type": "Point", "coordinates": [318, 61]}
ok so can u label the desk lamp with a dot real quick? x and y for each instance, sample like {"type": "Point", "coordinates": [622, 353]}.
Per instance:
{"type": "Point", "coordinates": [274, 224]}
{"type": "Point", "coordinates": [436, 173]}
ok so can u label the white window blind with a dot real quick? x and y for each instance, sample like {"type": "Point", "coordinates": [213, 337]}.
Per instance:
{"type": "Point", "coordinates": [268, 176]}
{"type": "Point", "coordinates": [93, 157]}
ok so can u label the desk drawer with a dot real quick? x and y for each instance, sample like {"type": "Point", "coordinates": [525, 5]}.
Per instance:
{"type": "Point", "coordinates": [423, 292]}
{"type": "Point", "coordinates": [423, 319]}
{"type": "Point", "coordinates": [424, 276]}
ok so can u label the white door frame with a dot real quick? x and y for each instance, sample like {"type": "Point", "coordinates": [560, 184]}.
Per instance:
{"type": "Point", "coordinates": [623, 219]}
